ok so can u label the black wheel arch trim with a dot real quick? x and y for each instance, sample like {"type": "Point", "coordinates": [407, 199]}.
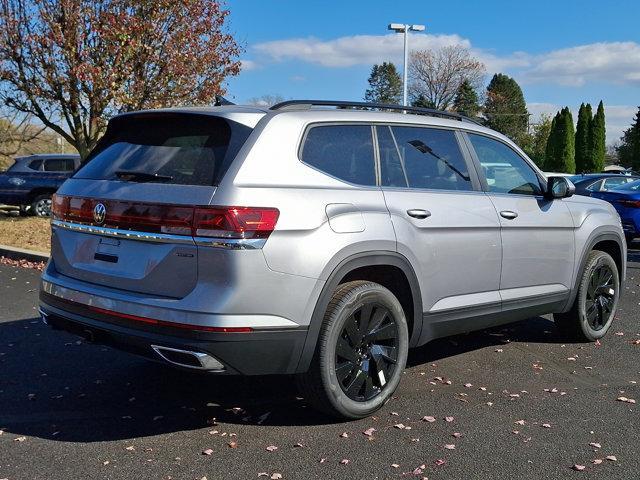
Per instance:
{"type": "Point", "coordinates": [596, 238]}
{"type": "Point", "coordinates": [349, 264]}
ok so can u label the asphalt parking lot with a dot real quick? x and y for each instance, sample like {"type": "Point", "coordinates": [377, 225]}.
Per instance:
{"type": "Point", "coordinates": [505, 403]}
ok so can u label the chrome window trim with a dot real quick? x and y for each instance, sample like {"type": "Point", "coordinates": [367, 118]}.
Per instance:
{"type": "Point", "coordinates": [226, 243]}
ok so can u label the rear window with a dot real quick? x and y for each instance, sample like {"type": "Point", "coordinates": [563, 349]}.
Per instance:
{"type": "Point", "coordinates": [183, 149]}
{"type": "Point", "coordinates": [342, 151]}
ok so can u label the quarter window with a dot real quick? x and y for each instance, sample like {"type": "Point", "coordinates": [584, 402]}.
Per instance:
{"type": "Point", "coordinates": [504, 169]}
{"type": "Point", "coordinates": [342, 151]}
{"type": "Point", "coordinates": [419, 157]}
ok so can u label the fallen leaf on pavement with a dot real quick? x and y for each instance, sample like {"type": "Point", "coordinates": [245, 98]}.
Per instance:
{"type": "Point", "coordinates": [626, 400]}
{"type": "Point", "coordinates": [450, 446]}
{"type": "Point", "coordinates": [20, 439]}
{"type": "Point", "coordinates": [271, 448]}
{"type": "Point", "coordinates": [344, 461]}
{"type": "Point", "coordinates": [428, 418]}
{"type": "Point", "coordinates": [595, 445]}
{"type": "Point", "coordinates": [596, 461]}
{"type": "Point", "coordinates": [207, 451]}
{"type": "Point", "coordinates": [448, 419]}
{"type": "Point", "coordinates": [276, 476]}
{"type": "Point", "coordinates": [369, 431]}
{"type": "Point", "coordinates": [579, 468]}
{"type": "Point", "coordinates": [519, 422]}
{"type": "Point", "coordinates": [611, 458]}
{"type": "Point", "coordinates": [344, 435]}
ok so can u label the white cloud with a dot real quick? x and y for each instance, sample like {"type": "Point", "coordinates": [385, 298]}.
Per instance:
{"type": "Point", "coordinates": [247, 65]}
{"type": "Point", "coordinates": [618, 117]}
{"type": "Point", "coordinates": [608, 62]}
{"type": "Point", "coordinates": [611, 62]}
{"type": "Point", "coordinates": [351, 51]}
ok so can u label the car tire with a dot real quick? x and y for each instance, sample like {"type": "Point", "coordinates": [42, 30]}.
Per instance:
{"type": "Point", "coordinates": [41, 206]}
{"type": "Point", "coordinates": [595, 304]}
{"type": "Point", "coordinates": [360, 354]}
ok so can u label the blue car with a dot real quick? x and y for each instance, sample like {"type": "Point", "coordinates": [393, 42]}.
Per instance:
{"type": "Point", "coordinates": [626, 200]}
{"type": "Point", "coordinates": [31, 181]}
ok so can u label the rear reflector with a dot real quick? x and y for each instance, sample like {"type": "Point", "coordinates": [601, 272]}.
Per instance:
{"type": "Point", "coordinates": [162, 323]}
{"type": "Point", "coordinates": [201, 221]}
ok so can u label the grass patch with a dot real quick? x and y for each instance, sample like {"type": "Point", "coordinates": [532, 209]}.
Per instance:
{"type": "Point", "coordinates": [31, 233]}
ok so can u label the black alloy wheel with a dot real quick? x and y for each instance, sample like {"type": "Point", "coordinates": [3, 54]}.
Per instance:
{"type": "Point", "coordinates": [367, 352]}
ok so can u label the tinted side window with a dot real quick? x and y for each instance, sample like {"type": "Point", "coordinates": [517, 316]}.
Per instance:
{"type": "Point", "coordinates": [614, 182]}
{"type": "Point", "coordinates": [342, 151]}
{"type": "Point", "coordinates": [58, 165]}
{"type": "Point", "coordinates": [504, 169]}
{"type": "Point", "coordinates": [431, 158]}
{"type": "Point", "coordinates": [391, 169]}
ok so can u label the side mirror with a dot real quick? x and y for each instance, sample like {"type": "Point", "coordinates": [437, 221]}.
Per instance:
{"type": "Point", "coordinates": [559, 187]}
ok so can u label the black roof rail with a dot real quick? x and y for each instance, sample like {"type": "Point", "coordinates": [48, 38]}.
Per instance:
{"type": "Point", "coordinates": [432, 112]}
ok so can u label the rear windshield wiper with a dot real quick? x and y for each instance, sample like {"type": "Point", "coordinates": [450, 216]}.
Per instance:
{"type": "Point", "coordinates": [133, 176]}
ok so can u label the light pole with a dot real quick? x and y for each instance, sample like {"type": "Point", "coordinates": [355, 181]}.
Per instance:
{"type": "Point", "coordinates": [405, 29]}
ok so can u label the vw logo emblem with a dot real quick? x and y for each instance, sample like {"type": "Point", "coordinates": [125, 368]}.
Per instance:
{"type": "Point", "coordinates": [99, 213]}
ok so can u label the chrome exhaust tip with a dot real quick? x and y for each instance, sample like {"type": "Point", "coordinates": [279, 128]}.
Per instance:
{"type": "Point", "coordinates": [188, 359]}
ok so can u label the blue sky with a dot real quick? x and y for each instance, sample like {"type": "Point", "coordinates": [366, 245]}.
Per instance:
{"type": "Point", "coordinates": [562, 52]}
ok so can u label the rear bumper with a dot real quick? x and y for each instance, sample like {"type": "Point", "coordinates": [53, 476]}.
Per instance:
{"type": "Point", "coordinates": [252, 353]}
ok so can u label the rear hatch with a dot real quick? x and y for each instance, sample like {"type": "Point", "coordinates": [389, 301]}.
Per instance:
{"type": "Point", "coordinates": [124, 220]}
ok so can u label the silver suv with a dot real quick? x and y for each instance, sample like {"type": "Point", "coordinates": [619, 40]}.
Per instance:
{"type": "Point", "coordinates": [321, 239]}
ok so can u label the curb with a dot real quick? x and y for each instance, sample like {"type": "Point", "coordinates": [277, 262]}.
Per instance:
{"type": "Point", "coordinates": [16, 253]}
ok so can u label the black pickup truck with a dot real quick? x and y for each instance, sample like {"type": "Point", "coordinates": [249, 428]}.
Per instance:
{"type": "Point", "coordinates": [31, 181]}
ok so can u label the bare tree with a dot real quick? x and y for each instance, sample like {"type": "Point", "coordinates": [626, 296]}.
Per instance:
{"type": "Point", "coordinates": [265, 100]}
{"type": "Point", "coordinates": [436, 75]}
{"type": "Point", "coordinates": [74, 63]}
{"type": "Point", "coordinates": [16, 130]}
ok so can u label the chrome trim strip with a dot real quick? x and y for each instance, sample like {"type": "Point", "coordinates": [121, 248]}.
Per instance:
{"type": "Point", "coordinates": [227, 243]}
{"type": "Point", "coordinates": [231, 243]}
{"type": "Point", "coordinates": [126, 234]}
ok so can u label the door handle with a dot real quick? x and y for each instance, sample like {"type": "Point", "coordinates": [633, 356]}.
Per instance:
{"type": "Point", "coordinates": [418, 213]}
{"type": "Point", "coordinates": [508, 214]}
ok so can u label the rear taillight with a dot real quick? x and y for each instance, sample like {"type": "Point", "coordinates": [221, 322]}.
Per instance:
{"type": "Point", "coordinates": [630, 203]}
{"type": "Point", "coordinates": [205, 221]}
{"type": "Point", "coordinates": [234, 222]}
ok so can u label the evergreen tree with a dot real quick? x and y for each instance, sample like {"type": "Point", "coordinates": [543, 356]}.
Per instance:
{"type": "Point", "coordinates": [560, 151]}
{"type": "Point", "coordinates": [466, 101]}
{"type": "Point", "coordinates": [583, 140]}
{"type": "Point", "coordinates": [597, 140]}
{"type": "Point", "coordinates": [505, 108]}
{"type": "Point", "coordinates": [422, 101]}
{"type": "Point", "coordinates": [385, 84]}
{"type": "Point", "coordinates": [629, 148]}
{"type": "Point", "coordinates": [536, 147]}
